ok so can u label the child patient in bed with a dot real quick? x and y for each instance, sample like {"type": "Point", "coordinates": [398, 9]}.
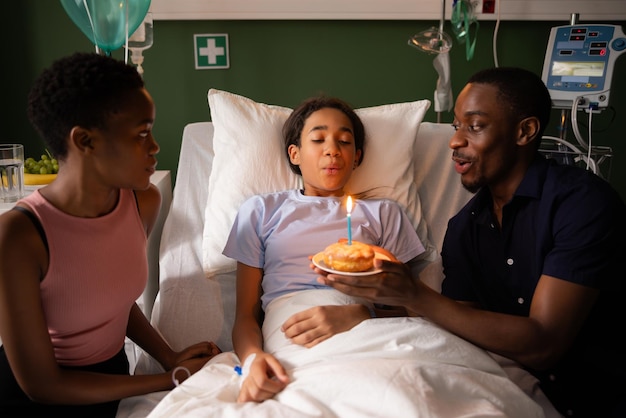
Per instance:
{"type": "Point", "coordinates": [274, 234]}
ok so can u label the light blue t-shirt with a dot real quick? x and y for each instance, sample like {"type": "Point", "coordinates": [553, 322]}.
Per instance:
{"type": "Point", "coordinates": [277, 232]}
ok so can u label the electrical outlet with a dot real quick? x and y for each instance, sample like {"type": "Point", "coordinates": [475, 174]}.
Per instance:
{"type": "Point", "coordinates": [489, 6]}
{"type": "Point", "coordinates": [484, 7]}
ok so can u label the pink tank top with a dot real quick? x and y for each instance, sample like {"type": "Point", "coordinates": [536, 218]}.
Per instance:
{"type": "Point", "coordinates": [97, 269]}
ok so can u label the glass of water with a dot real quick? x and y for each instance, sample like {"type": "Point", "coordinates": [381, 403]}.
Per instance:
{"type": "Point", "coordinates": [11, 172]}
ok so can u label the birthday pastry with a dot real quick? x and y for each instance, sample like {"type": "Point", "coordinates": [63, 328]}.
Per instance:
{"type": "Point", "coordinates": [354, 257]}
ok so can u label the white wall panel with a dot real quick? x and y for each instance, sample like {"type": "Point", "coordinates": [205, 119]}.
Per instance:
{"type": "Point", "coordinates": [588, 10]}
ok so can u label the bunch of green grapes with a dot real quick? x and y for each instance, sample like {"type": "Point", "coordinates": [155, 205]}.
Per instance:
{"type": "Point", "coordinates": [46, 165]}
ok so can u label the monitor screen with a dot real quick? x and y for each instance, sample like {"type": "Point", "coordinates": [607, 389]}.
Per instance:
{"type": "Point", "coordinates": [578, 68]}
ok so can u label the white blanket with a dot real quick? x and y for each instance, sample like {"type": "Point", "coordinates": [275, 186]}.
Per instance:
{"type": "Point", "coordinates": [383, 367]}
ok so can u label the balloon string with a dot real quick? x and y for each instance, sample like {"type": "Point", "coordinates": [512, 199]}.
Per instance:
{"type": "Point", "coordinates": [126, 46]}
{"type": "Point", "coordinates": [93, 28]}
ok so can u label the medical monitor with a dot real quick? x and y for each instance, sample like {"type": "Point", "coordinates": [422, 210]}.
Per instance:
{"type": "Point", "coordinates": [579, 64]}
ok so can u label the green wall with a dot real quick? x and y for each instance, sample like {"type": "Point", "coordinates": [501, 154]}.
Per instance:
{"type": "Point", "coordinates": [282, 62]}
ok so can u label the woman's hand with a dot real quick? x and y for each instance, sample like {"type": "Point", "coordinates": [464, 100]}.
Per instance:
{"type": "Point", "coordinates": [205, 350]}
{"type": "Point", "coordinates": [266, 378]}
{"type": "Point", "coordinates": [314, 325]}
{"type": "Point", "coordinates": [193, 358]}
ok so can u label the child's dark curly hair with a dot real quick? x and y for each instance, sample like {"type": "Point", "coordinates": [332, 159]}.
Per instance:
{"type": "Point", "coordinates": [292, 129]}
{"type": "Point", "coordinates": [83, 89]}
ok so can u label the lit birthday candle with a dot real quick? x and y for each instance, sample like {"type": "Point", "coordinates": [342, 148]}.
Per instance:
{"type": "Point", "coordinates": [349, 217]}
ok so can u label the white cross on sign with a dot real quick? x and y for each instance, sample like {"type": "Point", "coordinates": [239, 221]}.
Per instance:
{"type": "Point", "coordinates": [211, 51]}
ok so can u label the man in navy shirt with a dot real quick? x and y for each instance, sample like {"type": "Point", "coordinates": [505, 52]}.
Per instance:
{"type": "Point", "coordinates": [533, 263]}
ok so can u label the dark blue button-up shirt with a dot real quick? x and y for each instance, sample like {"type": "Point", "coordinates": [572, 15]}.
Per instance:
{"type": "Point", "coordinates": [564, 222]}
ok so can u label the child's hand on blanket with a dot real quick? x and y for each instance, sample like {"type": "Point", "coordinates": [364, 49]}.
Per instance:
{"type": "Point", "coordinates": [314, 325]}
{"type": "Point", "coordinates": [266, 378]}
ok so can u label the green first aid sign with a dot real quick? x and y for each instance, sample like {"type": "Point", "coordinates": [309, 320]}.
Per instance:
{"type": "Point", "coordinates": [211, 51]}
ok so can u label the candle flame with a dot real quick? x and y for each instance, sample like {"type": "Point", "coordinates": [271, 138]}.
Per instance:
{"type": "Point", "coordinates": [349, 204]}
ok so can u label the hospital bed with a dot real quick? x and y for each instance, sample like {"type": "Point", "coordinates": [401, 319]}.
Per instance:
{"type": "Point", "coordinates": [382, 367]}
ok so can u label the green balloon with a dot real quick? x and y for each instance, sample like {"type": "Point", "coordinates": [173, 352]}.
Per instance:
{"type": "Point", "coordinates": [107, 23]}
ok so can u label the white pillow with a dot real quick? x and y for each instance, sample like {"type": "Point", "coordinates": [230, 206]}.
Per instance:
{"type": "Point", "coordinates": [250, 159]}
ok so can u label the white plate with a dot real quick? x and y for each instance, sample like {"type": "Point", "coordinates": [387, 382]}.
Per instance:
{"type": "Point", "coordinates": [318, 261]}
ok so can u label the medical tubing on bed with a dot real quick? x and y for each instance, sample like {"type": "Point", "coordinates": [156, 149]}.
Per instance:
{"type": "Point", "coordinates": [179, 368]}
